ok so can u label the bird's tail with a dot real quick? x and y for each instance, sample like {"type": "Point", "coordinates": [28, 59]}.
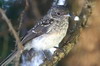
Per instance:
{"type": "Point", "coordinates": [9, 58]}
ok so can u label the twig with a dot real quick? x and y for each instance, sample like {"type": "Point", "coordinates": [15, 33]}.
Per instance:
{"type": "Point", "coordinates": [22, 14]}
{"type": "Point", "coordinates": [19, 45]}
{"type": "Point", "coordinates": [20, 24]}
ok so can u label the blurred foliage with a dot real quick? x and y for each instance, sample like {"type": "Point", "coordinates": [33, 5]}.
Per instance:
{"type": "Point", "coordinates": [1, 2]}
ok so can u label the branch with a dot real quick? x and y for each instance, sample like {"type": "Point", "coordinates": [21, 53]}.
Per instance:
{"type": "Point", "coordinates": [72, 35]}
{"type": "Point", "coordinates": [19, 49]}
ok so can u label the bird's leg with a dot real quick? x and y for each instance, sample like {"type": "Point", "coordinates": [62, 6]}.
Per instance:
{"type": "Point", "coordinates": [59, 49]}
{"type": "Point", "coordinates": [47, 54]}
{"type": "Point", "coordinates": [44, 54]}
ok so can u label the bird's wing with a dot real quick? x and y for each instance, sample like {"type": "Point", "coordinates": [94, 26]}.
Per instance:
{"type": "Point", "coordinates": [39, 29]}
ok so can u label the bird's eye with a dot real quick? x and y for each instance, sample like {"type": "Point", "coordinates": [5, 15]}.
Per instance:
{"type": "Point", "coordinates": [58, 13]}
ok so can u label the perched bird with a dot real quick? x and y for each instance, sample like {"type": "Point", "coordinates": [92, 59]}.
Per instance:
{"type": "Point", "coordinates": [41, 40]}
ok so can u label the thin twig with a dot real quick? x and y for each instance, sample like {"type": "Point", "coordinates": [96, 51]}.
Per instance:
{"type": "Point", "coordinates": [20, 47]}
{"type": "Point", "coordinates": [22, 14]}
{"type": "Point", "coordinates": [20, 24]}
{"type": "Point", "coordinates": [19, 44]}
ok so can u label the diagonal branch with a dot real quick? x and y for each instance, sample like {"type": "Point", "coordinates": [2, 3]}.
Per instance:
{"type": "Point", "coordinates": [20, 47]}
{"type": "Point", "coordinates": [73, 33]}
{"type": "Point", "coordinates": [17, 52]}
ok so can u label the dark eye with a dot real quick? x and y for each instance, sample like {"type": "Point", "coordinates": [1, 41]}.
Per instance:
{"type": "Point", "coordinates": [58, 14]}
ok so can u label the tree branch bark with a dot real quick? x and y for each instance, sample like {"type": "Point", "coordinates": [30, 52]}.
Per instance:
{"type": "Point", "coordinates": [69, 41]}
{"type": "Point", "coordinates": [73, 32]}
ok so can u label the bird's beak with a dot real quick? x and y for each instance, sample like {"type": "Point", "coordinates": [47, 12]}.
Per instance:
{"type": "Point", "coordinates": [68, 15]}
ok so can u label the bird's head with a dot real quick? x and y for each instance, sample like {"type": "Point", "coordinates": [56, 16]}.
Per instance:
{"type": "Point", "coordinates": [58, 12]}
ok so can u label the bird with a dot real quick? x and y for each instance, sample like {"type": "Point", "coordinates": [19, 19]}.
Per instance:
{"type": "Point", "coordinates": [41, 40]}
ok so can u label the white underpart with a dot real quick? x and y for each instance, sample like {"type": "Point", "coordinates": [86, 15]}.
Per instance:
{"type": "Point", "coordinates": [36, 61]}
{"type": "Point", "coordinates": [61, 2]}
{"type": "Point", "coordinates": [76, 18]}
{"type": "Point", "coordinates": [45, 41]}
{"type": "Point", "coordinates": [52, 50]}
